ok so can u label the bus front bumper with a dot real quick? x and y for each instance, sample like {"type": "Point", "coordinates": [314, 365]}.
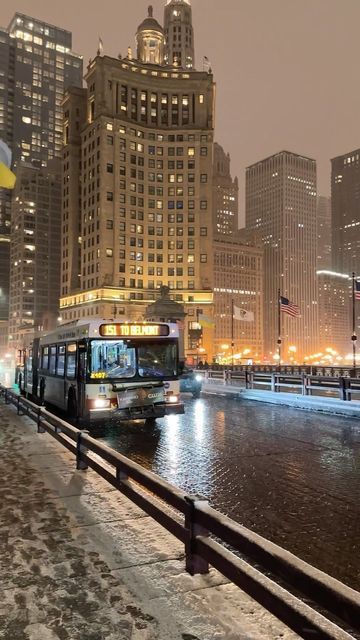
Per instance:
{"type": "Point", "coordinates": [137, 413]}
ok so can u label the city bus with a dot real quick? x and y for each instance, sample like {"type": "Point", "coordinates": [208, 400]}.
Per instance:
{"type": "Point", "coordinates": [96, 369]}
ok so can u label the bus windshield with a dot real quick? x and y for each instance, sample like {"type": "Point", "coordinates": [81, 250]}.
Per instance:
{"type": "Point", "coordinates": [122, 359]}
{"type": "Point", "coordinates": [157, 360]}
{"type": "Point", "coordinates": [112, 359]}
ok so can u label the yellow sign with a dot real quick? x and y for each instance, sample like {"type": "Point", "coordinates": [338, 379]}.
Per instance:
{"type": "Point", "coordinates": [133, 330]}
{"type": "Point", "coordinates": [98, 374]}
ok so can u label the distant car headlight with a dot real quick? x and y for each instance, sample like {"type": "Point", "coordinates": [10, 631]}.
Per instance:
{"type": "Point", "coordinates": [198, 378]}
{"type": "Point", "coordinates": [173, 399]}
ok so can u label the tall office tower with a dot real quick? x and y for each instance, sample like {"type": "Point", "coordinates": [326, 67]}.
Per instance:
{"type": "Point", "coordinates": [179, 34]}
{"type": "Point", "coordinates": [323, 233]}
{"type": "Point", "coordinates": [281, 209]}
{"type": "Point", "coordinates": [334, 311]}
{"type": "Point", "coordinates": [36, 66]}
{"type": "Point", "coordinates": [35, 250]}
{"type": "Point", "coordinates": [225, 195]}
{"type": "Point", "coordinates": [238, 279]}
{"type": "Point", "coordinates": [345, 206]}
{"type": "Point", "coordinates": [137, 213]}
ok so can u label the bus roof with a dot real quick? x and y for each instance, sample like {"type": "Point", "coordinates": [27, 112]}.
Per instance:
{"type": "Point", "coordinates": [79, 329]}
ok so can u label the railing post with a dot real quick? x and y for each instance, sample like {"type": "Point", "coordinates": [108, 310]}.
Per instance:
{"type": "Point", "coordinates": [273, 380]}
{"type": "Point", "coordinates": [40, 428]}
{"type": "Point", "coordinates": [121, 475]}
{"type": "Point", "coordinates": [247, 382]}
{"type": "Point", "coordinates": [81, 449]}
{"type": "Point", "coordinates": [342, 389]}
{"type": "Point", "coordinates": [251, 379]}
{"type": "Point", "coordinates": [7, 401]}
{"type": "Point", "coordinates": [194, 563]}
{"type": "Point", "coordinates": [303, 384]}
{"type": "Point", "coordinates": [224, 376]}
{"type": "Point", "coordinates": [348, 389]}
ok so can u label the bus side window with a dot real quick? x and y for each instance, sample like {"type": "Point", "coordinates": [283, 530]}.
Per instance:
{"type": "Point", "coordinates": [52, 360]}
{"type": "Point", "coordinates": [60, 363]}
{"type": "Point", "coordinates": [71, 361]}
{"type": "Point", "coordinates": [45, 358]}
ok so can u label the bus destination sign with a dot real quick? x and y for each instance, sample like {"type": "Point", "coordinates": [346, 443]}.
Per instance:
{"type": "Point", "coordinates": [133, 330]}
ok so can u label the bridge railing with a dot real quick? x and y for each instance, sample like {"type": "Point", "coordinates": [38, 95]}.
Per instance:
{"type": "Point", "coordinates": [306, 600]}
{"type": "Point", "coordinates": [298, 369]}
{"type": "Point", "coordinates": [344, 388]}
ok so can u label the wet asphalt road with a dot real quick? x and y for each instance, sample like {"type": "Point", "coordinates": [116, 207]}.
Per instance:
{"type": "Point", "coordinates": [290, 475]}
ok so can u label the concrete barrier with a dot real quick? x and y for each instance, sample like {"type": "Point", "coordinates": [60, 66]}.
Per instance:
{"type": "Point", "coordinates": [310, 403]}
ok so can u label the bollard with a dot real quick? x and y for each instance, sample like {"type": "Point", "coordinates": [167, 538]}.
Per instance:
{"type": "Point", "coordinates": [194, 563]}
{"type": "Point", "coordinates": [81, 449]}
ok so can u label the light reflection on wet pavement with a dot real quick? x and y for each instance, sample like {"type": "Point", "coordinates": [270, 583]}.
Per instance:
{"type": "Point", "coordinates": [291, 476]}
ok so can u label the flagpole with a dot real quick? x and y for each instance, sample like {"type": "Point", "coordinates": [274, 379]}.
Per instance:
{"type": "Point", "coordinates": [354, 336]}
{"type": "Point", "coordinates": [232, 332]}
{"type": "Point", "coordinates": [279, 327]}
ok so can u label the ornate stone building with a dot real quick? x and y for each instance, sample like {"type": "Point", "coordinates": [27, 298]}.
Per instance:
{"type": "Point", "coordinates": [137, 179]}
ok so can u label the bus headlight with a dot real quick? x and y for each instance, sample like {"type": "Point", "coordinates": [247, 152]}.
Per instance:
{"type": "Point", "coordinates": [173, 399]}
{"type": "Point", "coordinates": [101, 403]}
{"type": "Point", "coordinates": [198, 378]}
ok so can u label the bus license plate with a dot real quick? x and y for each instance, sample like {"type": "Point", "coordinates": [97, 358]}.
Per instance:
{"type": "Point", "coordinates": [140, 397]}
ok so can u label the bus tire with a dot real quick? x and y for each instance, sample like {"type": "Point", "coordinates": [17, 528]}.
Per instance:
{"type": "Point", "coordinates": [150, 422]}
{"type": "Point", "coordinates": [72, 406]}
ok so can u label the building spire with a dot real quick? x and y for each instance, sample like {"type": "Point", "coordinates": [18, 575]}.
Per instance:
{"type": "Point", "coordinates": [150, 11]}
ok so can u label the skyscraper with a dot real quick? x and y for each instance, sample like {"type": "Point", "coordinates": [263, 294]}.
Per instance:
{"type": "Point", "coordinates": [281, 209]}
{"type": "Point", "coordinates": [137, 213]}
{"type": "Point", "coordinates": [225, 194]}
{"type": "Point", "coordinates": [334, 311]}
{"type": "Point", "coordinates": [345, 207]}
{"type": "Point", "coordinates": [238, 280]}
{"type": "Point", "coordinates": [323, 233]}
{"type": "Point", "coordinates": [36, 66]}
{"type": "Point", "coordinates": [35, 249]}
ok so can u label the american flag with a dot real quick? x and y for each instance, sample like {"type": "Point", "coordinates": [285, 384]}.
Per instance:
{"type": "Point", "coordinates": [357, 290]}
{"type": "Point", "coordinates": [289, 307]}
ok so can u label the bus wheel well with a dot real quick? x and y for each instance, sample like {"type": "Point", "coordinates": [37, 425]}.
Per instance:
{"type": "Point", "coordinates": [72, 404]}
{"type": "Point", "coordinates": [42, 391]}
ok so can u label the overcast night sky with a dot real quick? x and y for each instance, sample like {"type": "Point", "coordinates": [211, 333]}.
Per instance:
{"type": "Point", "coordinates": [286, 70]}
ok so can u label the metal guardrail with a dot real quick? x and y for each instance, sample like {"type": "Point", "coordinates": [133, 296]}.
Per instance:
{"type": "Point", "coordinates": [307, 600]}
{"type": "Point", "coordinates": [305, 384]}
{"type": "Point", "coordinates": [293, 369]}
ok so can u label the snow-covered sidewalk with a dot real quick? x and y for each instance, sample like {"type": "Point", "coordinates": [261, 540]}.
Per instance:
{"type": "Point", "coordinates": [80, 561]}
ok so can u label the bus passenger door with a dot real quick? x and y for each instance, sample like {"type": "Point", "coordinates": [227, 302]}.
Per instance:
{"type": "Point", "coordinates": [81, 378]}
